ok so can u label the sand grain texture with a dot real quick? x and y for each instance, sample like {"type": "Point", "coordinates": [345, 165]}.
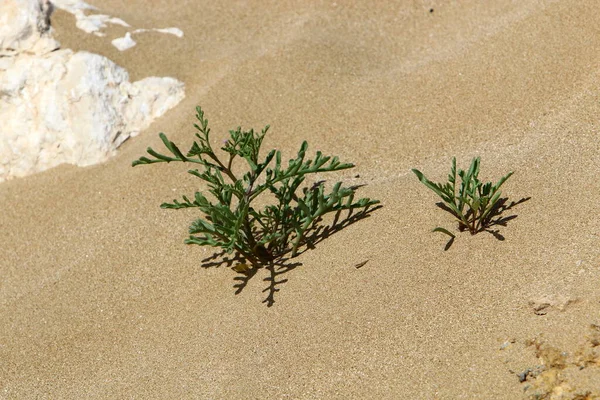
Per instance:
{"type": "Point", "coordinates": [99, 298]}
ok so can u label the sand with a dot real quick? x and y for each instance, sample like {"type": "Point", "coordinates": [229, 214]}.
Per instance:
{"type": "Point", "coordinates": [100, 298]}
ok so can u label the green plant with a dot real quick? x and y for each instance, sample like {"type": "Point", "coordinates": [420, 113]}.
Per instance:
{"type": "Point", "coordinates": [474, 202]}
{"type": "Point", "coordinates": [232, 223]}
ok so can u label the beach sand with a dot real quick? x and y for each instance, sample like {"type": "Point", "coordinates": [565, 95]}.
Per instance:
{"type": "Point", "coordinates": [100, 298]}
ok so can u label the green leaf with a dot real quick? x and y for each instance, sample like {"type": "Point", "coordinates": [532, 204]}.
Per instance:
{"type": "Point", "coordinates": [475, 205]}
{"type": "Point", "coordinates": [437, 189]}
{"type": "Point", "coordinates": [447, 232]}
{"type": "Point", "coordinates": [201, 226]}
{"type": "Point", "coordinates": [501, 181]}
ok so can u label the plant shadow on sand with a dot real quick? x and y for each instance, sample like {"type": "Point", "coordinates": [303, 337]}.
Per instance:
{"type": "Point", "coordinates": [282, 264]}
{"type": "Point", "coordinates": [495, 218]}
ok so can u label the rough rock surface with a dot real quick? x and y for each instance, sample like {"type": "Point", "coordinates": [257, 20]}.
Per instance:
{"type": "Point", "coordinates": [25, 26]}
{"type": "Point", "coordinates": [65, 107]}
{"type": "Point", "coordinates": [92, 23]}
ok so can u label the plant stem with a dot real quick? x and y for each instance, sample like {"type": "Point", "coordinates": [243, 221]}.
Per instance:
{"type": "Point", "coordinates": [245, 202]}
{"type": "Point", "coordinates": [227, 170]}
{"type": "Point", "coordinates": [300, 237]}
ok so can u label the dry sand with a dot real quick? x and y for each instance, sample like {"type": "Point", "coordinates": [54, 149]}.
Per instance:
{"type": "Point", "coordinates": [100, 298]}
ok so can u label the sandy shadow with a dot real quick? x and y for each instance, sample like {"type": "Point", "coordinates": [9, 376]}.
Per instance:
{"type": "Point", "coordinates": [497, 217]}
{"type": "Point", "coordinates": [279, 263]}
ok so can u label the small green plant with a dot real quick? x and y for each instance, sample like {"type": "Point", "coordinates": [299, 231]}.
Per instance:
{"type": "Point", "coordinates": [232, 223]}
{"type": "Point", "coordinates": [472, 204]}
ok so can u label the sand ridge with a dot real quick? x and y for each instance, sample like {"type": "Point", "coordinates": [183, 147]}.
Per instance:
{"type": "Point", "coordinates": [100, 298]}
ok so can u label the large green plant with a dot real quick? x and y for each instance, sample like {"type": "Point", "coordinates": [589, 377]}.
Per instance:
{"type": "Point", "coordinates": [231, 222]}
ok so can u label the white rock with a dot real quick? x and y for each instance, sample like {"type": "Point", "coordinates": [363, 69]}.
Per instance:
{"type": "Point", "coordinates": [94, 23]}
{"type": "Point", "coordinates": [65, 107]}
{"type": "Point", "coordinates": [124, 43]}
{"type": "Point", "coordinates": [73, 5]}
{"type": "Point", "coordinates": [173, 31]}
{"type": "Point", "coordinates": [73, 108]}
{"type": "Point", "coordinates": [25, 27]}
{"type": "Point", "coordinates": [118, 21]}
